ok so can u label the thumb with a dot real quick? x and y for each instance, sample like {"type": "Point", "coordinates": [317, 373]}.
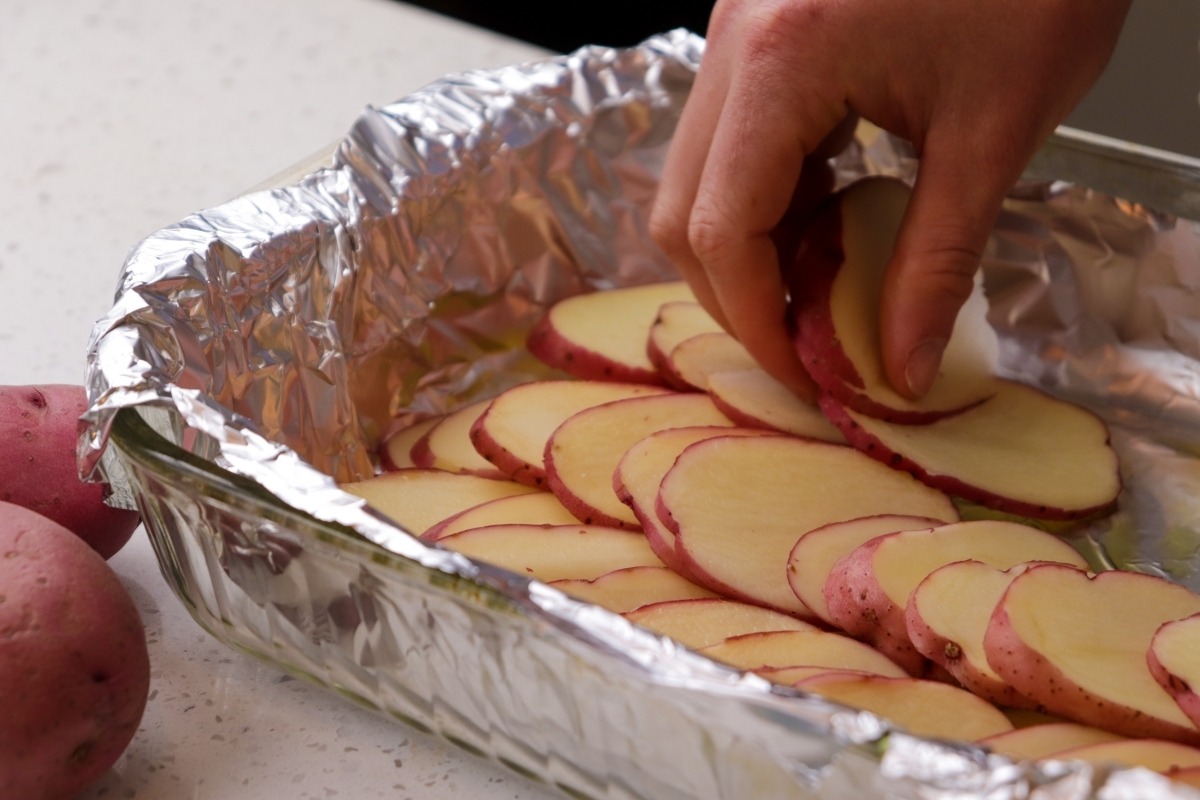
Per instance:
{"type": "Point", "coordinates": [954, 203]}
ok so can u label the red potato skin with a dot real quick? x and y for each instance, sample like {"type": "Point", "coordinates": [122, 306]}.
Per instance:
{"type": "Point", "coordinates": [423, 458]}
{"type": "Point", "coordinates": [74, 670]}
{"type": "Point", "coordinates": [947, 655]}
{"type": "Point", "coordinates": [552, 348]}
{"type": "Point", "coordinates": [514, 468]}
{"type": "Point", "coordinates": [864, 442]}
{"type": "Point", "coordinates": [810, 281]}
{"type": "Point", "coordinates": [583, 512]}
{"type": "Point", "coordinates": [861, 608]}
{"type": "Point", "coordinates": [1032, 675]}
{"type": "Point", "coordinates": [1179, 689]}
{"type": "Point", "coordinates": [741, 418]}
{"type": "Point", "coordinates": [37, 437]}
{"type": "Point", "coordinates": [666, 371]}
{"type": "Point", "coordinates": [651, 526]}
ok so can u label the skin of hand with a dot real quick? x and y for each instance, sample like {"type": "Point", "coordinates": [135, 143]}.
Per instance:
{"type": "Point", "coordinates": [975, 85]}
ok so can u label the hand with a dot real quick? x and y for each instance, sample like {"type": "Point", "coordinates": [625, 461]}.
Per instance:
{"type": "Point", "coordinates": [975, 85]}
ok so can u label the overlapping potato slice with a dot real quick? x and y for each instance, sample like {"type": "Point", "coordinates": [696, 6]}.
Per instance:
{"type": "Point", "coordinates": [754, 399]}
{"type": "Point", "coordinates": [418, 499]}
{"type": "Point", "coordinates": [602, 336]}
{"type": "Point", "coordinates": [1021, 451]}
{"type": "Point", "coordinates": [813, 557]}
{"type": "Point", "coordinates": [536, 508]}
{"type": "Point", "coordinates": [704, 622]}
{"type": "Point", "coordinates": [694, 359]}
{"type": "Point", "coordinates": [1174, 661]}
{"type": "Point", "coordinates": [738, 505]}
{"type": "Point", "coordinates": [1152, 754]}
{"type": "Point", "coordinates": [676, 322]}
{"type": "Point", "coordinates": [554, 552]}
{"type": "Point", "coordinates": [447, 445]}
{"type": "Point", "coordinates": [1040, 741]}
{"type": "Point", "coordinates": [1077, 645]}
{"type": "Point", "coordinates": [583, 453]}
{"type": "Point", "coordinates": [925, 708]}
{"type": "Point", "coordinates": [641, 470]}
{"type": "Point", "coordinates": [807, 648]}
{"type": "Point", "coordinates": [513, 432]}
{"type": "Point", "coordinates": [396, 452]}
{"type": "Point", "coordinates": [868, 590]}
{"type": "Point", "coordinates": [629, 589]}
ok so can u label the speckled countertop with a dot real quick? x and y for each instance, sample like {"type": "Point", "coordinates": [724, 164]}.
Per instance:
{"type": "Point", "coordinates": [118, 117]}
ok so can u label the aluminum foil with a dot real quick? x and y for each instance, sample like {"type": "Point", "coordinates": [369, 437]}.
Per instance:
{"type": "Point", "coordinates": [278, 337]}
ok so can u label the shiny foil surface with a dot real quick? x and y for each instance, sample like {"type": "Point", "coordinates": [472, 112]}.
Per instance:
{"type": "Point", "coordinates": [271, 342]}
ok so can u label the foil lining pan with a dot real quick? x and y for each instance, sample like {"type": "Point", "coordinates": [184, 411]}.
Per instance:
{"type": "Point", "coordinates": [257, 352]}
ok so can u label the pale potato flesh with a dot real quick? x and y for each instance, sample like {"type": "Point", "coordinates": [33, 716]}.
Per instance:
{"type": "Point", "coordinates": [522, 419]}
{"type": "Point", "coordinates": [871, 214]}
{"type": "Point", "coordinates": [1039, 741]}
{"type": "Point", "coordinates": [1152, 754]}
{"type": "Point", "coordinates": [629, 589]}
{"type": "Point", "coordinates": [790, 676]}
{"type": "Point", "coordinates": [707, 354]}
{"type": "Point", "coordinates": [704, 622]}
{"type": "Point", "coordinates": [813, 557]}
{"type": "Point", "coordinates": [678, 322]}
{"type": "Point", "coordinates": [643, 466]}
{"type": "Point", "coordinates": [587, 447]}
{"type": "Point", "coordinates": [615, 323]}
{"type": "Point", "coordinates": [1177, 648]}
{"type": "Point", "coordinates": [905, 559]}
{"type": "Point", "coordinates": [418, 499]}
{"type": "Point", "coordinates": [399, 445]}
{"type": "Point", "coordinates": [741, 504]}
{"type": "Point", "coordinates": [1020, 445]}
{"type": "Point", "coordinates": [1097, 631]}
{"type": "Point", "coordinates": [757, 395]}
{"type": "Point", "coordinates": [450, 441]}
{"type": "Point", "coordinates": [538, 508]}
{"type": "Point", "coordinates": [811, 648]}
{"type": "Point", "coordinates": [925, 708]}
{"type": "Point", "coordinates": [956, 602]}
{"type": "Point", "coordinates": [555, 552]}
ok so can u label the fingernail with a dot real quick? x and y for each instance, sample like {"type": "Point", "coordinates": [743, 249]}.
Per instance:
{"type": "Point", "coordinates": [922, 366]}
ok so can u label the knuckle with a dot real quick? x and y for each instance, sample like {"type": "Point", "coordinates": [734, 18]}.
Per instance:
{"type": "Point", "coordinates": [669, 231]}
{"type": "Point", "coordinates": [709, 233]}
{"type": "Point", "coordinates": [775, 26]}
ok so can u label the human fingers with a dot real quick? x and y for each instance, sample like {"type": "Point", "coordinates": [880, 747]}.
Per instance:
{"type": "Point", "coordinates": [781, 104]}
{"type": "Point", "coordinates": [958, 193]}
{"type": "Point", "coordinates": [689, 150]}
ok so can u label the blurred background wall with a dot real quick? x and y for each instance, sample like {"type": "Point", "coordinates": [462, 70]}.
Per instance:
{"type": "Point", "coordinates": [1147, 95]}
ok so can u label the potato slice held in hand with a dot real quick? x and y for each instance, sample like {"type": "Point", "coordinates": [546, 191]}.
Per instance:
{"type": "Point", "coordinates": [737, 507]}
{"type": "Point", "coordinates": [396, 451]}
{"type": "Point", "coordinates": [867, 591]}
{"type": "Point", "coordinates": [629, 589]}
{"type": "Point", "coordinates": [640, 472]}
{"type": "Point", "coordinates": [584, 452]}
{"type": "Point", "coordinates": [1078, 646]}
{"type": "Point", "coordinates": [448, 446]}
{"type": "Point", "coordinates": [1021, 452]}
{"type": "Point", "coordinates": [813, 557]}
{"type": "Point", "coordinates": [554, 552]}
{"type": "Point", "coordinates": [535, 508]}
{"type": "Point", "coordinates": [1040, 741]}
{"type": "Point", "coordinates": [703, 622]}
{"type": "Point", "coordinates": [947, 616]}
{"type": "Point", "coordinates": [602, 336]}
{"type": "Point", "coordinates": [812, 648]}
{"type": "Point", "coordinates": [925, 708]}
{"type": "Point", "coordinates": [513, 432]}
{"type": "Point", "coordinates": [836, 287]}
{"type": "Point", "coordinates": [694, 359]}
{"type": "Point", "coordinates": [418, 499]}
{"type": "Point", "coordinates": [1174, 661]}
{"type": "Point", "coordinates": [676, 322]}
{"type": "Point", "coordinates": [754, 399]}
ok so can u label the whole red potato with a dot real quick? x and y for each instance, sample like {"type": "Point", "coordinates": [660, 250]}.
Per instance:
{"type": "Point", "coordinates": [74, 671]}
{"type": "Point", "coordinates": [37, 465]}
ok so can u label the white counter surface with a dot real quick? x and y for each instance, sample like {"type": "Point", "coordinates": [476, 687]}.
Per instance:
{"type": "Point", "coordinates": [118, 117]}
